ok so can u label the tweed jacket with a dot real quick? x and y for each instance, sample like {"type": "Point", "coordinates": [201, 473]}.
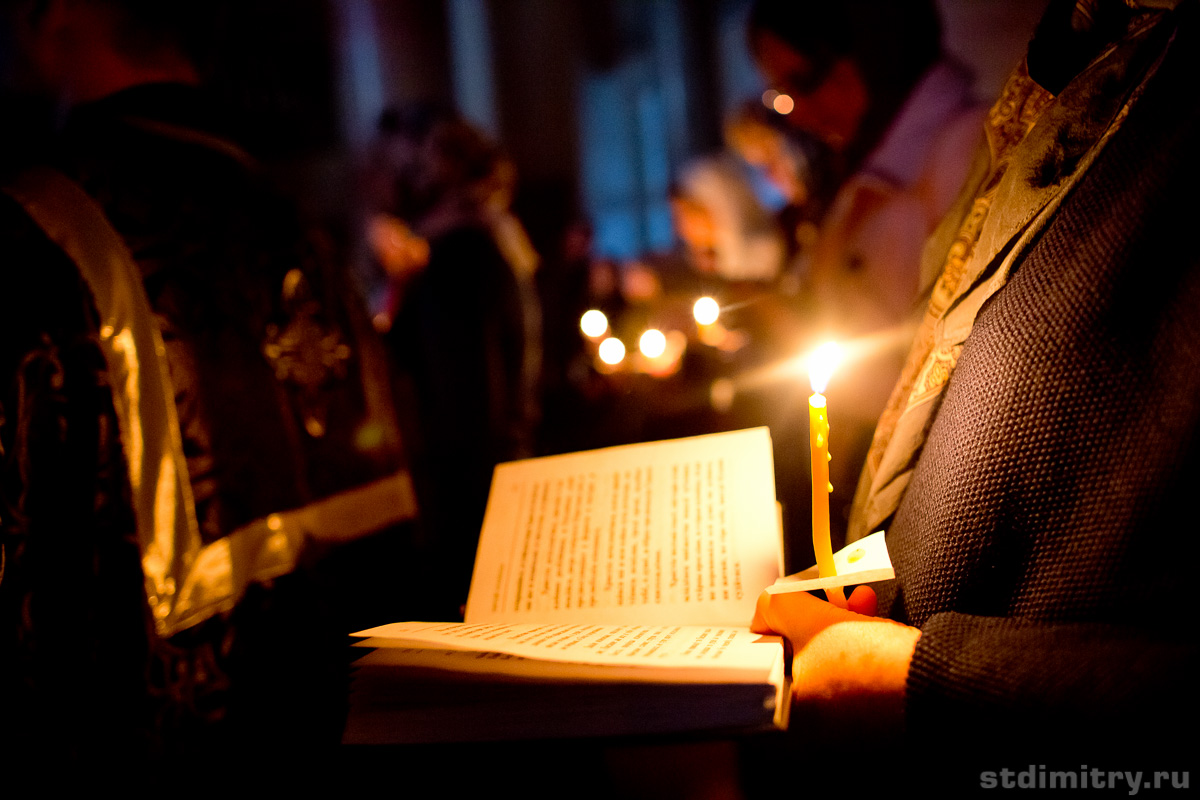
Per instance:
{"type": "Point", "coordinates": [1041, 541]}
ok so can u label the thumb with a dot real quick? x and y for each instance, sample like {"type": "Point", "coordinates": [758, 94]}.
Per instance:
{"type": "Point", "coordinates": [863, 601]}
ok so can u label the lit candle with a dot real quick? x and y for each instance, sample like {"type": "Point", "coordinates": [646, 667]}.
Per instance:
{"type": "Point", "coordinates": [612, 351]}
{"type": "Point", "coordinates": [820, 367]}
{"type": "Point", "coordinates": [593, 323]}
{"type": "Point", "coordinates": [706, 311]}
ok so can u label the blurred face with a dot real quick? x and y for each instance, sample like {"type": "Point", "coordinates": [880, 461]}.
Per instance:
{"type": "Point", "coordinates": [830, 100]}
{"type": "Point", "coordinates": [697, 229]}
{"type": "Point", "coordinates": [694, 224]}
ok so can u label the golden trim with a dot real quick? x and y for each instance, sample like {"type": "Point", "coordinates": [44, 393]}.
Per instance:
{"type": "Point", "coordinates": [143, 396]}
{"type": "Point", "coordinates": [186, 581]}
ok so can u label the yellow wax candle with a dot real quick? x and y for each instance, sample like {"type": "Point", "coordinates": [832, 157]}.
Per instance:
{"type": "Point", "coordinates": [820, 368]}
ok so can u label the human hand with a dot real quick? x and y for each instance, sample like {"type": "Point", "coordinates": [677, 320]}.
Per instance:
{"type": "Point", "coordinates": [401, 252]}
{"type": "Point", "coordinates": [849, 668]}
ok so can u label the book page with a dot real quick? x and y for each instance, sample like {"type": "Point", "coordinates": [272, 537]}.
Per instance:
{"type": "Point", "coordinates": [678, 532]}
{"type": "Point", "coordinates": [733, 651]}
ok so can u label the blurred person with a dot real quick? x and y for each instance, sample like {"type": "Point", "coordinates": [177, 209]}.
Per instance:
{"type": "Point", "coordinates": [466, 329]}
{"type": "Point", "coordinates": [898, 125]}
{"type": "Point", "coordinates": [73, 630]}
{"type": "Point", "coordinates": [1035, 466]}
{"type": "Point", "coordinates": [193, 405]}
{"type": "Point", "coordinates": [724, 229]}
{"type": "Point", "coordinates": [401, 254]}
{"type": "Point", "coordinates": [797, 190]}
{"type": "Point", "coordinates": [726, 243]}
{"type": "Point", "coordinates": [895, 114]}
{"type": "Point", "coordinates": [757, 136]}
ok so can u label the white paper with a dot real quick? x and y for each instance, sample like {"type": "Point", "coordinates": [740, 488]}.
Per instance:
{"type": "Point", "coordinates": [864, 561]}
{"type": "Point", "coordinates": [617, 645]}
{"type": "Point", "coordinates": [677, 532]}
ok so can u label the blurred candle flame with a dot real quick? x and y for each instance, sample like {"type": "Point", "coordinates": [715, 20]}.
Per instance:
{"type": "Point", "coordinates": [821, 364]}
{"type": "Point", "coordinates": [593, 323]}
{"type": "Point", "coordinates": [612, 351]}
{"type": "Point", "coordinates": [653, 343]}
{"type": "Point", "coordinates": [706, 311]}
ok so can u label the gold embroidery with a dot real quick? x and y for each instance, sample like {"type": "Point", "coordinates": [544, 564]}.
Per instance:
{"type": "Point", "coordinates": [934, 375]}
{"type": "Point", "coordinates": [1010, 119]}
{"type": "Point", "coordinates": [304, 352]}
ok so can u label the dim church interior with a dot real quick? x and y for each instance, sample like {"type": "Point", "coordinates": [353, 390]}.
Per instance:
{"type": "Point", "coordinates": [599, 104]}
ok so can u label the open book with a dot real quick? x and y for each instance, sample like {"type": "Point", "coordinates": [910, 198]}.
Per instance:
{"type": "Point", "coordinates": [611, 595]}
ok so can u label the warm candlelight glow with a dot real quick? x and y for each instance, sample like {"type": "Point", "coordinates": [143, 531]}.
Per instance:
{"type": "Point", "coordinates": [653, 343]}
{"type": "Point", "coordinates": [593, 323]}
{"type": "Point", "coordinates": [612, 351]}
{"type": "Point", "coordinates": [820, 368]}
{"type": "Point", "coordinates": [821, 364]}
{"type": "Point", "coordinates": [706, 311]}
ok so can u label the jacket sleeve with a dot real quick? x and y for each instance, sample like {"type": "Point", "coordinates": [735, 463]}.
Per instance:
{"type": "Point", "coordinates": [1019, 679]}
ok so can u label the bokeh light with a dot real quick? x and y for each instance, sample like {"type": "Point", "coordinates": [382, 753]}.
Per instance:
{"type": "Point", "coordinates": [653, 343]}
{"type": "Point", "coordinates": [612, 351]}
{"type": "Point", "coordinates": [706, 311]}
{"type": "Point", "coordinates": [593, 323]}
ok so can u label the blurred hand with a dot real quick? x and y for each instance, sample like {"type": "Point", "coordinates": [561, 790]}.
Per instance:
{"type": "Point", "coordinates": [850, 668]}
{"type": "Point", "coordinates": [400, 252]}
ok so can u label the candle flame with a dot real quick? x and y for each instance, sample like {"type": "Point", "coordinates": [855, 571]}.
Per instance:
{"type": "Point", "coordinates": [593, 323]}
{"type": "Point", "coordinates": [612, 351]}
{"type": "Point", "coordinates": [706, 311]}
{"type": "Point", "coordinates": [821, 364]}
{"type": "Point", "coordinates": [653, 343]}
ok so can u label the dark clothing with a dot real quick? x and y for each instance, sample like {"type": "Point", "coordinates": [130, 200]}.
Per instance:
{"type": "Point", "coordinates": [241, 294]}
{"type": "Point", "coordinates": [285, 418]}
{"type": "Point", "coordinates": [1041, 544]}
{"type": "Point", "coordinates": [73, 657]}
{"type": "Point", "coordinates": [460, 337]}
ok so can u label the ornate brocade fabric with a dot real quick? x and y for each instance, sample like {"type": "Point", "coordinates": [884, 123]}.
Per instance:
{"type": "Point", "coordinates": [1040, 144]}
{"type": "Point", "coordinates": [928, 368]}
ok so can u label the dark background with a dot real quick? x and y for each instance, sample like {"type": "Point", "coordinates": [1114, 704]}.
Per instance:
{"type": "Point", "coordinates": [599, 102]}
